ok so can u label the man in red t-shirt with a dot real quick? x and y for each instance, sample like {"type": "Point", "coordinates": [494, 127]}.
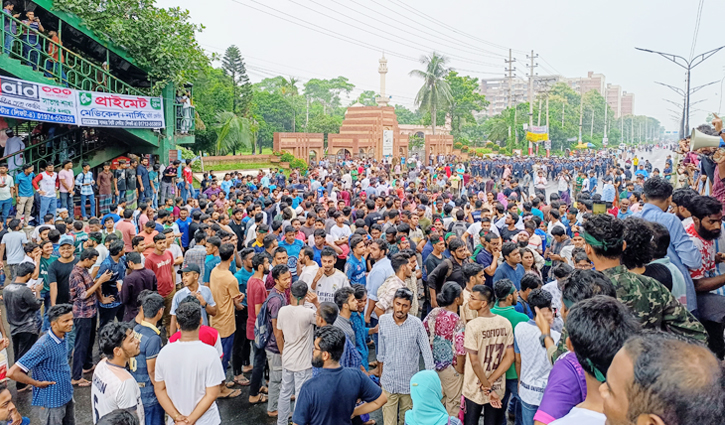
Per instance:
{"type": "Point", "coordinates": [256, 295]}
{"type": "Point", "coordinates": [161, 262]}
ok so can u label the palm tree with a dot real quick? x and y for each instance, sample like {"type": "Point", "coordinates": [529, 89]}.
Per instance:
{"type": "Point", "coordinates": [435, 93]}
{"type": "Point", "coordinates": [289, 90]}
{"type": "Point", "coordinates": [234, 132]}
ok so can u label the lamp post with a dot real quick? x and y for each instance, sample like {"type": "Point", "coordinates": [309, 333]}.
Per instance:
{"type": "Point", "coordinates": [688, 65]}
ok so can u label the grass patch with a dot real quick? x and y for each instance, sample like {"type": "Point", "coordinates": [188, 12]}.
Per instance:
{"type": "Point", "coordinates": [196, 167]}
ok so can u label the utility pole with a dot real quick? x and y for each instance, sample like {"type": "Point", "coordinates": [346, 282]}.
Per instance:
{"type": "Point", "coordinates": [631, 130]}
{"type": "Point", "coordinates": [531, 97]}
{"type": "Point", "coordinates": [591, 131]}
{"type": "Point", "coordinates": [510, 69]}
{"type": "Point", "coordinates": [539, 121]}
{"type": "Point", "coordinates": [688, 65]}
{"type": "Point", "coordinates": [307, 120]}
{"type": "Point", "coordinates": [563, 109]}
{"type": "Point", "coordinates": [581, 109]}
{"type": "Point", "coordinates": [621, 132]}
{"type": "Point", "coordinates": [605, 120]}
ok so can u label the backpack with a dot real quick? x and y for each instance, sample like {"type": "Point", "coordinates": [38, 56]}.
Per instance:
{"type": "Point", "coordinates": [263, 324]}
{"type": "Point", "coordinates": [459, 228]}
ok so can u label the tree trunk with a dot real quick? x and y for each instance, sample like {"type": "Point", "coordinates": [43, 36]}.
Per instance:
{"type": "Point", "coordinates": [433, 117]}
{"type": "Point", "coordinates": [254, 143]}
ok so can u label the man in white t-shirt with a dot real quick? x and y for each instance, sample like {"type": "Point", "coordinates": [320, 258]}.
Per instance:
{"type": "Point", "coordinates": [297, 324]}
{"type": "Point", "coordinates": [176, 251]}
{"type": "Point", "coordinates": [113, 386]}
{"type": "Point", "coordinates": [188, 373]}
{"type": "Point", "coordinates": [202, 293]}
{"type": "Point", "coordinates": [7, 191]}
{"type": "Point", "coordinates": [328, 279]}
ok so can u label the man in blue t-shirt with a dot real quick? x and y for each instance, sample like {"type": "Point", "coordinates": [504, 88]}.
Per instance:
{"type": "Point", "coordinates": [183, 223]}
{"type": "Point", "coordinates": [293, 247]}
{"type": "Point", "coordinates": [330, 397]}
{"type": "Point", "coordinates": [511, 268]}
{"type": "Point", "coordinates": [149, 346]}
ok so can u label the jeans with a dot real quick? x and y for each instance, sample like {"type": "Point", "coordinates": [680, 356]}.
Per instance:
{"type": "Point", "coordinates": [6, 205]}
{"type": "Point", "coordinates": [258, 370]}
{"type": "Point", "coordinates": [8, 42]}
{"type": "Point", "coordinates": [90, 198]}
{"type": "Point", "coordinates": [156, 200]}
{"type": "Point", "coordinates": [85, 337]}
{"type": "Point", "coordinates": [184, 192]}
{"type": "Point", "coordinates": [153, 414]}
{"type": "Point", "coordinates": [511, 399]}
{"type": "Point", "coordinates": [527, 412]}
{"type": "Point", "coordinates": [70, 338]}
{"type": "Point", "coordinates": [275, 379]}
{"type": "Point", "coordinates": [168, 190]}
{"type": "Point", "coordinates": [48, 205]}
{"type": "Point", "coordinates": [143, 195]}
{"type": "Point", "coordinates": [291, 381]}
{"type": "Point", "coordinates": [106, 315]}
{"type": "Point", "coordinates": [30, 50]}
{"type": "Point", "coordinates": [66, 201]}
{"type": "Point", "coordinates": [46, 307]}
{"type": "Point", "coordinates": [22, 341]}
{"type": "Point", "coordinates": [240, 351]}
{"type": "Point", "coordinates": [227, 347]}
{"type": "Point", "coordinates": [491, 416]}
{"type": "Point", "coordinates": [63, 415]}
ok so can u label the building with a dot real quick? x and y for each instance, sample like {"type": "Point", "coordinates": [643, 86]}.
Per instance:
{"type": "Point", "coordinates": [614, 99]}
{"type": "Point", "coordinates": [627, 104]}
{"type": "Point", "coordinates": [591, 82]}
{"type": "Point", "coordinates": [498, 93]}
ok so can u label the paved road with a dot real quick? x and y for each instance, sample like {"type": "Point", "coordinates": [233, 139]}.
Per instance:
{"type": "Point", "coordinates": [233, 411]}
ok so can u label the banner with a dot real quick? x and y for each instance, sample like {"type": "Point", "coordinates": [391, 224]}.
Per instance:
{"type": "Point", "coordinates": [117, 110]}
{"type": "Point", "coordinates": [537, 133]}
{"type": "Point", "coordinates": [37, 102]}
{"type": "Point", "coordinates": [387, 142]}
{"type": "Point", "coordinates": [31, 101]}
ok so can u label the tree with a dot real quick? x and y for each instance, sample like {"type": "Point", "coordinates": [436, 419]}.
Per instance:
{"type": "Point", "coordinates": [464, 100]}
{"type": "Point", "coordinates": [406, 116]}
{"type": "Point", "coordinates": [327, 92]}
{"type": "Point", "coordinates": [160, 41]}
{"type": "Point", "coordinates": [274, 113]}
{"type": "Point", "coordinates": [234, 133]}
{"type": "Point", "coordinates": [322, 123]}
{"type": "Point", "coordinates": [233, 65]}
{"type": "Point", "coordinates": [367, 98]}
{"type": "Point", "coordinates": [436, 92]}
{"type": "Point", "coordinates": [212, 94]}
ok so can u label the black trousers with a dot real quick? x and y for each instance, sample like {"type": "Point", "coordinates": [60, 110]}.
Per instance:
{"type": "Point", "coordinates": [242, 346]}
{"type": "Point", "coordinates": [491, 416]}
{"type": "Point", "coordinates": [260, 360]}
{"type": "Point", "coordinates": [22, 342]}
{"type": "Point", "coordinates": [106, 315]}
{"type": "Point", "coordinates": [83, 353]}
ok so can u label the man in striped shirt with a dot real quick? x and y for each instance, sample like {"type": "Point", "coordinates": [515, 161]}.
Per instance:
{"type": "Point", "coordinates": [402, 340]}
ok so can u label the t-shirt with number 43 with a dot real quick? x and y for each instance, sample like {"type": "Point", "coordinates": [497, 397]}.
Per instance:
{"type": "Point", "coordinates": [114, 388]}
{"type": "Point", "coordinates": [490, 337]}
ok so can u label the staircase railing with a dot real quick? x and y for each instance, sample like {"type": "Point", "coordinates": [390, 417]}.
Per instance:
{"type": "Point", "coordinates": [185, 119]}
{"type": "Point", "coordinates": [68, 68]}
{"type": "Point", "coordinates": [75, 145]}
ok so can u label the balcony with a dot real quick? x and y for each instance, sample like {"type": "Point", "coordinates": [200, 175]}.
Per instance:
{"type": "Point", "coordinates": [55, 61]}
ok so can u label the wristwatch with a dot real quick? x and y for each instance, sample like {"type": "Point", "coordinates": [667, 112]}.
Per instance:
{"type": "Point", "coordinates": [204, 306]}
{"type": "Point", "coordinates": [542, 339]}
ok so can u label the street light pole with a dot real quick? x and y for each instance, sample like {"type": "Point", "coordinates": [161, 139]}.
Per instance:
{"type": "Point", "coordinates": [688, 65]}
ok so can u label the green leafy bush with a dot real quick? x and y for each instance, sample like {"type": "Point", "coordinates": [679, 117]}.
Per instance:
{"type": "Point", "coordinates": [287, 157]}
{"type": "Point", "coordinates": [298, 163]}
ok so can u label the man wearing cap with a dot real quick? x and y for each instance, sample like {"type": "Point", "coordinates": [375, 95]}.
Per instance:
{"type": "Point", "coordinates": [190, 276]}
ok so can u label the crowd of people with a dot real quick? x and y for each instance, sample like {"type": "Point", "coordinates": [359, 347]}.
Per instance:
{"type": "Point", "coordinates": [440, 293]}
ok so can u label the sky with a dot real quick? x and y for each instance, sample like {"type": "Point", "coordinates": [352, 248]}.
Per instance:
{"type": "Point", "coordinates": [329, 38]}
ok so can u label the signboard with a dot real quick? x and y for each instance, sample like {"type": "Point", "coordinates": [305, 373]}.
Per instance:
{"type": "Point", "coordinates": [37, 102]}
{"type": "Point", "coordinates": [605, 141]}
{"type": "Point", "coordinates": [114, 163]}
{"type": "Point", "coordinates": [572, 139]}
{"type": "Point", "coordinates": [547, 144]}
{"type": "Point", "coordinates": [116, 110]}
{"type": "Point", "coordinates": [31, 101]}
{"type": "Point", "coordinates": [387, 142]}
{"type": "Point", "coordinates": [537, 133]}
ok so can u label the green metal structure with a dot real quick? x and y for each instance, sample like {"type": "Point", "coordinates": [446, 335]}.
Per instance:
{"type": "Point", "coordinates": [68, 54]}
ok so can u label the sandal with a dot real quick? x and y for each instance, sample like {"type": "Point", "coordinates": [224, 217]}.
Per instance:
{"type": "Point", "coordinates": [231, 394]}
{"type": "Point", "coordinates": [262, 399]}
{"type": "Point", "coordinates": [243, 381]}
{"type": "Point", "coordinates": [264, 390]}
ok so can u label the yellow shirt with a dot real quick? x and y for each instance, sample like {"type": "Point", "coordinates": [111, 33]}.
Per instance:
{"type": "Point", "coordinates": [224, 287]}
{"type": "Point", "coordinates": [490, 336]}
